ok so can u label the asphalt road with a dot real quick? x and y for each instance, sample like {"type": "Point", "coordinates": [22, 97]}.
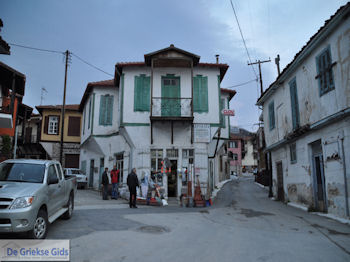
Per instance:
{"type": "Point", "coordinates": [242, 225]}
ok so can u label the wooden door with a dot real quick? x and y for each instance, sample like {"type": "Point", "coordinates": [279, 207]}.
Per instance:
{"type": "Point", "coordinates": [280, 190]}
{"type": "Point", "coordinates": [171, 102]}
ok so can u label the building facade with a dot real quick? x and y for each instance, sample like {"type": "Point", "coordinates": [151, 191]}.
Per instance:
{"type": "Point", "coordinates": [167, 107]}
{"type": "Point", "coordinates": [50, 133]}
{"type": "Point", "coordinates": [306, 115]}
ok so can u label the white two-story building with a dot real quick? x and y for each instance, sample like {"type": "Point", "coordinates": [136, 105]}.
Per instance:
{"type": "Point", "coordinates": [168, 106]}
{"type": "Point", "coordinates": [306, 115]}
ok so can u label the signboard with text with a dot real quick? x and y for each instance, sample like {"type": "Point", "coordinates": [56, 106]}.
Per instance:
{"type": "Point", "coordinates": [201, 133]}
{"type": "Point", "coordinates": [228, 112]}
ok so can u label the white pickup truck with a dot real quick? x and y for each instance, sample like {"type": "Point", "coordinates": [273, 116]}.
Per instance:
{"type": "Point", "coordinates": [34, 193]}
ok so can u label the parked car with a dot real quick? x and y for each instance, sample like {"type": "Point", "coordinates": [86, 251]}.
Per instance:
{"type": "Point", "coordinates": [33, 194]}
{"type": "Point", "coordinates": [82, 179]}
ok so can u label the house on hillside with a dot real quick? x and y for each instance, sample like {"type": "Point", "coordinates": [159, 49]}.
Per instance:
{"type": "Point", "coordinates": [306, 115]}
{"type": "Point", "coordinates": [167, 106]}
{"type": "Point", "coordinates": [50, 133]}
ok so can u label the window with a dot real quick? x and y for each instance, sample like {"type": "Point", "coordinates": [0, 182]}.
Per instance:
{"type": "Point", "coordinates": [74, 126]}
{"type": "Point", "coordinates": [156, 159]}
{"type": "Point", "coordinates": [200, 94]}
{"type": "Point", "coordinates": [83, 166]}
{"type": "Point", "coordinates": [84, 122]}
{"type": "Point", "coordinates": [142, 93]}
{"type": "Point", "coordinates": [52, 172]}
{"type": "Point", "coordinates": [294, 103]}
{"type": "Point", "coordinates": [293, 153]}
{"type": "Point", "coordinates": [59, 170]}
{"type": "Point", "coordinates": [324, 71]}
{"type": "Point", "coordinates": [53, 125]}
{"type": "Point", "coordinates": [233, 144]}
{"type": "Point", "coordinates": [89, 120]}
{"type": "Point", "coordinates": [234, 156]}
{"type": "Point", "coordinates": [272, 115]}
{"type": "Point", "coordinates": [222, 117]}
{"type": "Point", "coordinates": [187, 156]}
{"type": "Point", "coordinates": [172, 153]}
{"type": "Point", "coordinates": [106, 110]}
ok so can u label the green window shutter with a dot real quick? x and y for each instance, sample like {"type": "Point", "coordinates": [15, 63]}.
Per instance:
{"type": "Point", "coordinates": [204, 94]}
{"type": "Point", "coordinates": [109, 110]}
{"type": "Point", "coordinates": [325, 71]}
{"type": "Point", "coordinates": [271, 115]}
{"type": "Point", "coordinates": [146, 87]}
{"type": "Point", "coordinates": [142, 91]}
{"type": "Point", "coordinates": [294, 103]}
{"type": "Point", "coordinates": [102, 114]}
{"type": "Point", "coordinates": [196, 86]}
{"type": "Point", "coordinates": [137, 94]}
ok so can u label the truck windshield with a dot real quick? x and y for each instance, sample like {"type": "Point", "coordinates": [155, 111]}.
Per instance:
{"type": "Point", "coordinates": [22, 172]}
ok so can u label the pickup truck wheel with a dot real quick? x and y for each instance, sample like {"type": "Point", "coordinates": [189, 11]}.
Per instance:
{"type": "Point", "coordinates": [40, 228]}
{"type": "Point", "coordinates": [70, 206]}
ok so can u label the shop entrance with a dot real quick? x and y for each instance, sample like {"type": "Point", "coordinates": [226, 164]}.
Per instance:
{"type": "Point", "coordinates": [172, 179]}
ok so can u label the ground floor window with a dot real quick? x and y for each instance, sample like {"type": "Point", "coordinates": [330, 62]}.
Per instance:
{"type": "Point", "coordinates": [156, 159]}
{"type": "Point", "coordinates": [188, 156]}
{"type": "Point", "coordinates": [172, 153]}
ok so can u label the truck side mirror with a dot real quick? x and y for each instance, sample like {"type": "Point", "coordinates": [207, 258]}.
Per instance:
{"type": "Point", "coordinates": [52, 180]}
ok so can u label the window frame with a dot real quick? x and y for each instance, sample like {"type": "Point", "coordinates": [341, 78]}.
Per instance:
{"type": "Point", "coordinates": [142, 103]}
{"type": "Point", "coordinates": [271, 112]}
{"type": "Point", "coordinates": [200, 96]}
{"type": "Point", "coordinates": [326, 74]}
{"type": "Point", "coordinates": [53, 132]}
{"type": "Point", "coordinates": [293, 92]}
{"type": "Point", "coordinates": [293, 153]}
{"type": "Point", "coordinates": [106, 110]}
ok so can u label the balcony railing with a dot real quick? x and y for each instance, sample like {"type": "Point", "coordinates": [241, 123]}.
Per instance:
{"type": "Point", "coordinates": [171, 107]}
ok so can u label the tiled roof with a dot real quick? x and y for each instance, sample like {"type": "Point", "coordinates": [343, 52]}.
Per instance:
{"type": "Point", "coordinates": [305, 46]}
{"type": "Point", "coordinates": [57, 107]}
{"type": "Point", "coordinates": [104, 83]}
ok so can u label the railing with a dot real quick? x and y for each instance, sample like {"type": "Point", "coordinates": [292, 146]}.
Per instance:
{"type": "Point", "coordinates": [5, 109]}
{"type": "Point", "coordinates": [27, 140]}
{"type": "Point", "coordinates": [171, 107]}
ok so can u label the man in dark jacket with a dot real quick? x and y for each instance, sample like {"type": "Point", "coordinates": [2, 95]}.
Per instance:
{"type": "Point", "coordinates": [133, 182]}
{"type": "Point", "coordinates": [105, 183]}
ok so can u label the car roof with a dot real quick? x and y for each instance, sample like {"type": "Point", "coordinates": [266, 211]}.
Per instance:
{"type": "Point", "coordinates": [32, 161]}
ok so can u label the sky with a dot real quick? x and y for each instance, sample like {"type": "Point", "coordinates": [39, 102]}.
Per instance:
{"type": "Point", "coordinates": [105, 32]}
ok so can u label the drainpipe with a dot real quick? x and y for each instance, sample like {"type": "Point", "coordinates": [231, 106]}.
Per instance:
{"type": "Point", "coordinates": [127, 139]}
{"type": "Point", "coordinates": [345, 179]}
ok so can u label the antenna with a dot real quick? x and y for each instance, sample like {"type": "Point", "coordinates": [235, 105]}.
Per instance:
{"type": "Point", "coordinates": [43, 91]}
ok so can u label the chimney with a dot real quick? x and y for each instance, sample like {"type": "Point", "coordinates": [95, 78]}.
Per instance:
{"type": "Point", "coordinates": [217, 58]}
{"type": "Point", "coordinates": [277, 62]}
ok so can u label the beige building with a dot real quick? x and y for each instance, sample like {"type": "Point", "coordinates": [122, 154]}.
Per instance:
{"type": "Point", "coordinates": [51, 133]}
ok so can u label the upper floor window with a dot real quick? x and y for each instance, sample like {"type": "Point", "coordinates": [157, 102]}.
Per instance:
{"type": "Point", "coordinates": [89, 117]}
{"type": "Point", "coordinates": [74, 126]}
{"type": "Point", "coordinates": [53, 125]}
{"type": "Point", "coordinates": [294, 103]}
{"type": "Point", "coordinates": [200, 94]}
{"type": "Point", "coordinates": [142, 93]}
{"type": "Point", "coordinates": [324, 71]}
{"type": "Point", "coordinates": [106, 110]}
{"type": "Point", "coordinates": [272, 115]}
{"type": "Point", "coordinates": [222, 117]}
{"type": "Point", "coordinates": [233, 144]}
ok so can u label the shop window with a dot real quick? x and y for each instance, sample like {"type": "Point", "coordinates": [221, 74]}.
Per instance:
{"type": "Point", "coordinates": [172, 153]}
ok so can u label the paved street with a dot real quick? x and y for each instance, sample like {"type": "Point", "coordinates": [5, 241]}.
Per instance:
{"type": "Point", "coordinates": [243, 225]}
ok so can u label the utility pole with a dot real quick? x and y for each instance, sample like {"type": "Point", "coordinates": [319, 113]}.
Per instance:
{"type": "Point", "coordinates": [259, 63]}
{"type": "Point", "coordinates": [63, 105]}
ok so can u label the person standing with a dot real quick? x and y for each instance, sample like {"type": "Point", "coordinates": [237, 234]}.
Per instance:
{"type": "Point", "coordinates": [133, 182]}
{"type": "Point", "coordinates": [105, 182]}
{"type": "Point", "coordinates": [114, 179]}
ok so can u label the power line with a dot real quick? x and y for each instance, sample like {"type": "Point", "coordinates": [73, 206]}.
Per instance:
{"type": "Point", "coordinates": [38, 49]}
{"type": "Point", "coordinates": [242, 84]}
{"type": "Point", "coordinates": [240, 30]}
{"type": "Point", "coordinates": [84, 61]}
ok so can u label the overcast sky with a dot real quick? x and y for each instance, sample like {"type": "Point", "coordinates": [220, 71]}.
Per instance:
{"type": "Point", "coordinates": [105, 32]}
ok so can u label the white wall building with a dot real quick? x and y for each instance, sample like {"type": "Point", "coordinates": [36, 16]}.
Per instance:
{"type": "Point", "coordinates": [165, 107]}
{"type": "Point", "coordinates": [307, 121]}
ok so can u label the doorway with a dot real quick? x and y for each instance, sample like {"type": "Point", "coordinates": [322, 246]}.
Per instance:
{"type": "Point", "coordinates": [320, 183]}
{"type": "Point", "coordinates": [91, 178]}
{"type": "Point", "coordinates": [172, 179]}
{"type": "Point", "coordinates": [318, 177]}
{"type": "Point", "coordinates": [280, 190]}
